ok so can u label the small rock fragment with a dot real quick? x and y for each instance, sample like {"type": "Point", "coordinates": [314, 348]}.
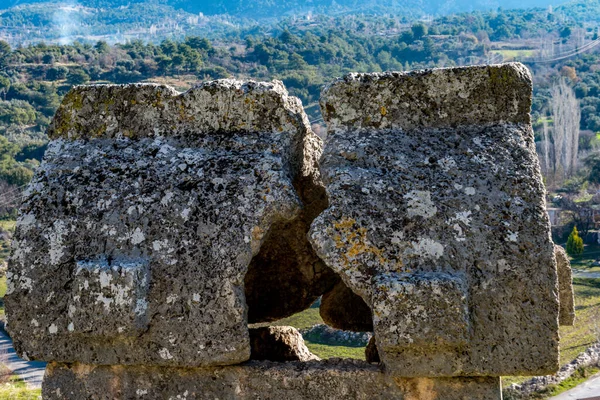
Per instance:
{"type": "Point", "coordinates": [341, 308]}
{"type": "Point", "coordinates": [371, 353]}
{"type": "Point", "coordinates": [278, 343]}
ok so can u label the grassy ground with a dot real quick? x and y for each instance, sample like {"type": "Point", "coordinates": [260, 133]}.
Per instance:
{"type": "Point", "coordinates": [324, 351]}
{"type": "Point", "coordinates": [12, 388]}
{"type": "Point", "coordinates": [310, 317]}
{"type": "Point", "coordinates": [585, 261]}
{"type": "Point", "coordinates": [575, 339]}
{"type": "Point", "coordinates": [304, 319]}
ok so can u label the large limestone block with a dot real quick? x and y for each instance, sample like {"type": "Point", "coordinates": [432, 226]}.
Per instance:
{"type": "Point", "coordinates": [565, 287]}
{"type": "Point", "coordinates": [332, 379]}
{"type": "Point", "coordinates": [437, 219]}
{"type": "Point", "coordinates": [137, 230]}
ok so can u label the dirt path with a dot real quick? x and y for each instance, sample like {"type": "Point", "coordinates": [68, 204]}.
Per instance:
{"type": "Point", "coordinates": [577, 273]}
{"type": "Point", "coordinates": [32, 372]}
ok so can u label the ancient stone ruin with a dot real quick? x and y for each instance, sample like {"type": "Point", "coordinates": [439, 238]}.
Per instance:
{"type": "Point", "coordinates": [160, 225]}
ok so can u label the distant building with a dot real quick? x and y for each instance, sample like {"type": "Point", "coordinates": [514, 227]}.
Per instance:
{"type": "Point", "coordinates": [554, 215]}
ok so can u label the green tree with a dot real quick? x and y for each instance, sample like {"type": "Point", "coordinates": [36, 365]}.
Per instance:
{"type": "Point", "coordinates": [102, 47]}
{"type": "Point", "coordinates": [5, 52]}
{"type": "Point", "coordinates": [565, 32]}
{"type": "Point", "coordinates": [419, 30]}
{"type": "Point", "coordinates": [574, 243]}
{"type": "Point", "coordinates": [198, 43]}
{"type": "Point", "coordinates": [48, 58]}
{"type": "Point", "coordinates": [77, 77]}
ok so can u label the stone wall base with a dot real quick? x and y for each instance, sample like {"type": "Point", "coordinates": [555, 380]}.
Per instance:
{"type": "Point", "coordinates": [314, 380]}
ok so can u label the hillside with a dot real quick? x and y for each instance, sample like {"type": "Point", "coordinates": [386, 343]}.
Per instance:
{"type": "Point", "coordinates": [271, 8]}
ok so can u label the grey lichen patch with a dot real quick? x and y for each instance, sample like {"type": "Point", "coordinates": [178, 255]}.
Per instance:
{"type": "Point", "coordinates": [445, 184]}
{"type": "Point", "coordinates": [109, 298]}
{"type": "Point", "coordinates": [137, 239]}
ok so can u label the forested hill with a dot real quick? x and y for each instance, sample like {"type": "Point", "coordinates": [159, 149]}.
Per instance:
{"type": "Point", "coordinates": [278, 8]}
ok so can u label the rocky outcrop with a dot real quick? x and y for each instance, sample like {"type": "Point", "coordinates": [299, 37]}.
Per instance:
{"type": "Point", "coordinates": [137, 231]}
{"type": "Point", "coordinates": [437, 219]}
{"type": "Point", "coordinates": [322, 380]}
{"type": "Point", "coordinates": [278, 343]}
{"type": "Point", "coordinates": [566, 316]}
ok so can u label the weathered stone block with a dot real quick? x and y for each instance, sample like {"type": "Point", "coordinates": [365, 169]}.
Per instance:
{"type": "Point", "coordinates": [434, 173]}
{"type": "Point", "coordinates": [331, 379]}
{"type": "Point", "coordinates": [187, 186]}
{"type": "Point", "coordinates": [565, 287]}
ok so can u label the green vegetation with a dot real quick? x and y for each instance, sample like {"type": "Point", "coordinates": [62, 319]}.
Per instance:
{"type": "Point", "coordinates": [18, 390]}
{"type": "Point", "coordinates": [308, 318]}
{"type": "Point", "coordinates": [304, 319]}
{"type": "Point", "coordinates": [574, 243]}
{"type": "Point", "coordinates": [588, 260]}
{"type": "Point", "coordinates": [514, 54]}
{"type": "Point", "coordinates": [13, 388]}
{"type": "Point", "coordinates": [323, 351]}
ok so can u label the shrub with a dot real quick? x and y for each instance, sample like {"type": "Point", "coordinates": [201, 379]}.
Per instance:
{"type": "Point", "coordinates": [574, 243]}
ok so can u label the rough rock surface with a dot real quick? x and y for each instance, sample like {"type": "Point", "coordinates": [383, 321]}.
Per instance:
{"type": "Point", "coordinates": [437, 219]}
{"type": "Point", "coordinates": [137, 230]}
{"type": "Point", "coordinates": [343, 309]}
{"type": "Point", "coordinates": [565, 287]}
{"type": "Point", "coordinates": [326, 380]}
{"type": "Point", "coordinates": [278, 343]}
